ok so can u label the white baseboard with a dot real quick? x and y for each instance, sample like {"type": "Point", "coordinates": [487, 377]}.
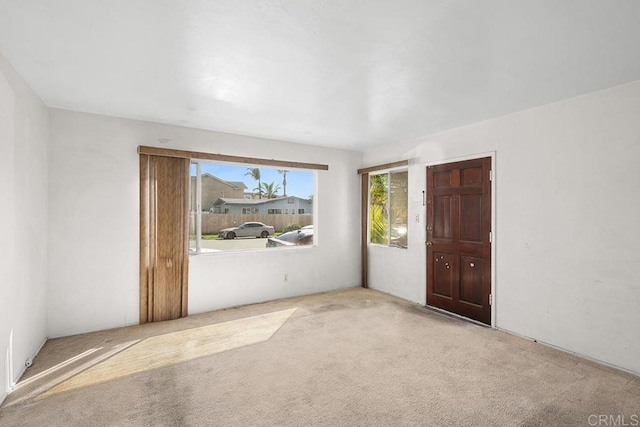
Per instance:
{"type": "Point", "coordinates": [564, 350]}
{"type": "Point", "coordinates": [24, 368]}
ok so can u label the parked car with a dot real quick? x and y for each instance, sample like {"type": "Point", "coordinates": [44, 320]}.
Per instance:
{"type": "Point", "coordinates": [247, 229]}
{"type": "Point", "coordinates": [399, 237]}
{"type": "Point", "coordinates": [301, 237]}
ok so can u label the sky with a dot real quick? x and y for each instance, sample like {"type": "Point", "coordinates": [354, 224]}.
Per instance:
{"type": "Point", "coordinates": [299, 183]}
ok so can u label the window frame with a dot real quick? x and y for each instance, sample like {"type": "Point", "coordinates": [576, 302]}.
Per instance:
{"type": "Point", "coordinates": [388, 172]}
{"type": "Point", "coordinates": [275, 211]}
{"type": "Point", "coordinates": [196, 157]}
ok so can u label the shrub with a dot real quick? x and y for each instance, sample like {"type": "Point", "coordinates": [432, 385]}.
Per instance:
{"type": "Point", "coordinates": [292, 227]}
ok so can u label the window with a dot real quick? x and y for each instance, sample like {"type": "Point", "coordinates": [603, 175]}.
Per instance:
{"type": "Point", "coordinates": [213, 189]}
{"type": "Point", "coordinates": [388, 202]}
{"type": "Point", "coordinates": [300, 211]}
{"type": "Point", "coordinates": [222, 194]}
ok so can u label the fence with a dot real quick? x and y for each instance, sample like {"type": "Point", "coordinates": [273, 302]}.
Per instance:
{"type": "Point", "coordinates": [212, 223]}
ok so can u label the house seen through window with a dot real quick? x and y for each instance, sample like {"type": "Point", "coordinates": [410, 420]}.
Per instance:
{"type": "Point", "coordinates": [240, 207]}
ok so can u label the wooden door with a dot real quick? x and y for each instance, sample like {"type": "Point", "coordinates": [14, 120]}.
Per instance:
{"type": "Point", "coordinates": [164, 198]}
{"type": "Point", "coordinates": [458, 238]}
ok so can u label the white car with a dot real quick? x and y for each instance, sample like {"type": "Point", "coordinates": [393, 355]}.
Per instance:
{"type": "Point", "coordinates": [302, 237]}
{"type": "Point", "coordinates": [247, 229]}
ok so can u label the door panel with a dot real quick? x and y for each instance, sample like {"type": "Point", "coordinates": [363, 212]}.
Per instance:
{"type": "Point", "coordinates": [470, 176]}
{"type": "Point", "coordinates": [471, 218]}
{"type": "Point", "coordinates": [443, 273]}
{"type": "Point", "coordinates": [242, 232]}
{"type": "Point", "coordinates": [470, 274]}
{"type": "Point", "coordinates": [458, 247]}
{"type": "Point", "coordinates": [442, 179]}
{"type": "Point", "coordinates": [442, 220]}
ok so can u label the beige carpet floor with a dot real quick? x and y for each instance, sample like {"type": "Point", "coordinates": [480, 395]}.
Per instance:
{"type": "Point", "coordinates": [354, 357]}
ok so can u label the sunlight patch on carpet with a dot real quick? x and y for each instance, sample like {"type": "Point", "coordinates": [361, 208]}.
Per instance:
{"type": "Point", "coordinates": [177, 347]}
{"type": "Point", "coordinates": [55, 368]}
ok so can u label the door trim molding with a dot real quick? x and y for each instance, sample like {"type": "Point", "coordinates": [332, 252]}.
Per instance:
{"type": "Point", "coordinates": [494, 233]}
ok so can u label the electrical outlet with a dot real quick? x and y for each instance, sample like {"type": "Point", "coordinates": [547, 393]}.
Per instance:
{"type": "Point", "coordinates": [286, 277]}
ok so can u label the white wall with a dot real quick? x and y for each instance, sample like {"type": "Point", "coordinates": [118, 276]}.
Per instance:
{"type": "Point", "coordinates": [94, 190]}
{"type": "Point", "coordinates": [568, 228]}
{"type": "Point", "coordinates": [567, 246]}
{"type": "Point", "coordinates": [23, 224]}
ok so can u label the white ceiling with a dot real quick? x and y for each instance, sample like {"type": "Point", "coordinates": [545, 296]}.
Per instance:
{"type": "Point", "coordinates": [345, 73]}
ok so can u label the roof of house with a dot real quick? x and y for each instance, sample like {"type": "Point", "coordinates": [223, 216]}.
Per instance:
{"type": "Point", "coordinates": [231, 201]}
{"type": "Point", "coordinates": [236, 184]}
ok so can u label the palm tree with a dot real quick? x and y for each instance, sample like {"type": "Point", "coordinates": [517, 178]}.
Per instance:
{"type": "Point", "coordinates": [270, 189]}
{"type": "Point", "coordinates": [255, 174]}
{"type": "Point", "coordinates": [378, 224]}
{"type": "Point", "coordinates": [378, 189]}
{"type": "Point", "coordinates": [284, 180]}
{"type": "Point", "coordinates": [378, 216]}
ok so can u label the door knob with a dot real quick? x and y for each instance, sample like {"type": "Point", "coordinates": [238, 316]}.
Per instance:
{"type": "Point", "coordinates": [429, 243]}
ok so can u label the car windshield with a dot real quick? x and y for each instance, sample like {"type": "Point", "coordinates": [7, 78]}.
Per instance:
{"type": "Point", "coordinates": [291, 236]}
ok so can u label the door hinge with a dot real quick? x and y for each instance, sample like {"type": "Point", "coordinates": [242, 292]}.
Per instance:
{"type": "Point", "coordinates": [490, 299]}
{"type": "Point", "coordinates": [490, 175]}
{"type": "Point", "coordinates": [490, 237]}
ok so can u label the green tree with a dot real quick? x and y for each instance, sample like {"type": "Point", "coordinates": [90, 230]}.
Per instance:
{"type": "Point", "coordinates": [378, 215]}
{"type": "Point", "coordinates": [378, 189]}
{"type": "Point", "coordinates": [255, 174]}
{"type": "Point", "coordinates": [270, 189]}
{"type": "Point", "coordinates": [378, 224]}
{"type": "Point", "coordinates": [284, 180]}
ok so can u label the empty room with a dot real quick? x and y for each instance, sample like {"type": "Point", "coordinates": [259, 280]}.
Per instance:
{"type": "Point", "coordinates": [319, 212]}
